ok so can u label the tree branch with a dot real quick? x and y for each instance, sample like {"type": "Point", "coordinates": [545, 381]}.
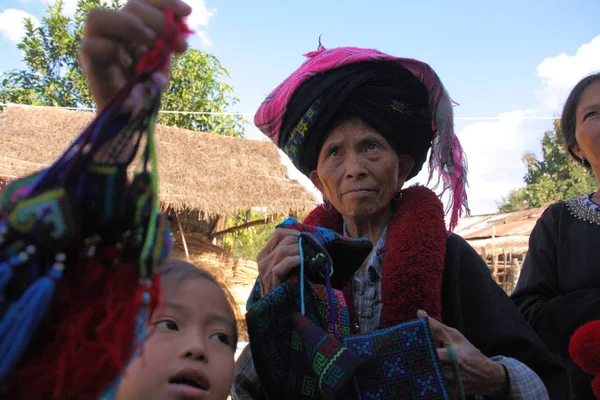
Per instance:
{"type": "Point", "coordinates": [262, 221]}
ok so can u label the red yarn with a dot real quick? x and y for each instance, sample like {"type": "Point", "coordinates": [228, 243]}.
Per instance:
{"type": "Point", "coordinates": [584, 347]}
{"type": "Point", "coordinates": [88, 335]}
{"type": "Point", "coordinates": [596, 386]}
{"type": "Point", "coordinates": [157, 58]}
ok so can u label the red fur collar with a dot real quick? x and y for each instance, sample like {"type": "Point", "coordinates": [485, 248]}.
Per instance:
{"type": "Point", "coordinates": [415, 250]}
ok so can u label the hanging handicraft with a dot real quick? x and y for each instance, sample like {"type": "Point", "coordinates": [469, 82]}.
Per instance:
{"type": "Point", "coordinates": [80, 245]}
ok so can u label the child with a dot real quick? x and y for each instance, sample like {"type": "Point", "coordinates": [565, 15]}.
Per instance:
{"type": "Point", "coordinates": [189, 353]}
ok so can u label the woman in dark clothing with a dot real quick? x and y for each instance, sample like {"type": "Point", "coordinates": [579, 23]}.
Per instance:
{"type": "Point", "coordinates": [559, 287]}
{"type": "Point", "coordinates": [360, 123]}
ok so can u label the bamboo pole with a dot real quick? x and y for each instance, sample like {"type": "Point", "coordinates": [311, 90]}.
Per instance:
{"type": "Point", "coordinates": [262, 221]}
{"type": "Point", "coordinates": [185, 247]}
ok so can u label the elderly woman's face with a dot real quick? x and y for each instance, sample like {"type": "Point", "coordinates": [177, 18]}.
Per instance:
{"type": "Point", "coordinates": [358, 171]}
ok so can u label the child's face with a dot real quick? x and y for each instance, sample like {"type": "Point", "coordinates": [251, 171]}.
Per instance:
{"type": "Point", "coordinates": [189, 354]}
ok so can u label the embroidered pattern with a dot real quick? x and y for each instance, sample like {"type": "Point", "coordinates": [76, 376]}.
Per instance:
{"type": "Point", "coordinates": [342, 317]}
{"type": "Point", "coordinates": [296, 137]}
{"type": "Point", "coordinates": [408, 110]}
{"type": "Point", "coordinates": [293, 355]}
{"type": "Point", "coordinates": [400, 363]}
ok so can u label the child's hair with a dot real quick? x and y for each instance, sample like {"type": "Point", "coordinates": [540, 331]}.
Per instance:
{"type": "Point", "coordinates": [175, 270]}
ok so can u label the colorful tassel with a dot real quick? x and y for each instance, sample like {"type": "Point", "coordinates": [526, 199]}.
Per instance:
{"type": "Point", "coordinates": [22, 318]}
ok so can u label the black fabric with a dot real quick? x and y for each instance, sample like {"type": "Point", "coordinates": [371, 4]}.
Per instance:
{"type": "Point", "coordinates": [559, 286]}
{"type": "Point", "coordinates": [384, 95]}
{"type": "Point", "coordinates": [350, 254]}
{"type": "Point", "coordinates": [321, 245]}
{"type": "Point", "coordinates": [476, 306]}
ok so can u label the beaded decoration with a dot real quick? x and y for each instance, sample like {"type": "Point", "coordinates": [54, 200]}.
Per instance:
{"type": "Point", "coordinates": [584, 209]}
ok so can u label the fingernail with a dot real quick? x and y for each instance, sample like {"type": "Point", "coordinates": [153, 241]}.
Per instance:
{"type": "Point", "coordinates": [135, 99]}
{"type": "Point", "coordinates": [421, 314]}
{"type": "Point", "coordinates": [150, 34]}
{"type": "Point", "coordinates": [181, 45]}
{"type": "Point", "coordinates": [183, 7]}
{"type": "Point", "coordinates": [160, 79]}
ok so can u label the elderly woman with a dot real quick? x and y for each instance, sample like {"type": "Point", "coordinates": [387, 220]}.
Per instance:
{"type": "Point", "coordinates": [359, 124]}
{"type": "Point", "coordinates": [559, 287]}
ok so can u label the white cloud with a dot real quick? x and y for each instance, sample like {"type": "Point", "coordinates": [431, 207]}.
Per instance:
{"type": "Point", "coordinates": [204, 38]}
{"type": "Point", "coordinates": [560, 73]}
{"type": "Point", "coordinates": [494, 149]}
{"type": "Point", "coordinates": [12, 24]}
{"type": "Point", "coordinates": [201, 13]}
{"type": "Point", "coordinates": [200, 18]}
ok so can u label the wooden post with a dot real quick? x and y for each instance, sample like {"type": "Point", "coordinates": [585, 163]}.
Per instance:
{"type": "Point", "coordinates": [517, 270]}
{"type": "Point", "coordinates": [185, 248]}
{"type": "Point", "coordinates": [494, 255]}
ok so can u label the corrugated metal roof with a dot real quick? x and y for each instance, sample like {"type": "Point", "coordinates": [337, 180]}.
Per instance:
{"type": "Point", "coordinates": [517, 223]}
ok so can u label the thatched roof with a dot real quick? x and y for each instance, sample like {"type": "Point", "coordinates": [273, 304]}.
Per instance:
{"type": "Point", "coordinates": [215, 174]}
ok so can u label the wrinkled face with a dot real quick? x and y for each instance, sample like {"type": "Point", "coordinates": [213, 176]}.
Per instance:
{"type": "Point", "coordinates": [358, 171]}
{"type": "Point", "coordinates": [587, 126]}
{"type": "Point", "coordinates": [189, 353]}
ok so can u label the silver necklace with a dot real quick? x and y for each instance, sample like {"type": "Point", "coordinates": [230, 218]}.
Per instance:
{"type": "Point", "coordinates": [582, 209]}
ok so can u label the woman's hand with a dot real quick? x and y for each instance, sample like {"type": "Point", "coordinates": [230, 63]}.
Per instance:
{"type": "Point", "coordinates": [480, 375]}
{"type": "Point", "coordinates": [114, 40]}
{"type": "Point", "coordinates": [279, 256]}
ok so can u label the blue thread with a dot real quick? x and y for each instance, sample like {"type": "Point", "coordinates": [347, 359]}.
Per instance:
{"type": "Point", "coordinates": [5, 274]}
{"type": "Point", "coordinates": [301, 274]}
{"type": "Point", "coordinates": [22, 319]}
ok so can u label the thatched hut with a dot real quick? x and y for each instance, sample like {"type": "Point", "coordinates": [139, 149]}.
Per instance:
{"type": "Point", "coordinates": [204, 178]}
{"type": "Point", "coordinates": [502, 240]}
{"type": "Point", "coordinates": [216, 175]}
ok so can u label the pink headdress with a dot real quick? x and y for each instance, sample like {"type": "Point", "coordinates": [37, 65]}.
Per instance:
{"type": "Point", "coordinates": [447, 157]}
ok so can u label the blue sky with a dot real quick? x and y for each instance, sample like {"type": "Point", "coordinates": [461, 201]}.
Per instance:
{"type": "Point", "coordinates": [508, 60]}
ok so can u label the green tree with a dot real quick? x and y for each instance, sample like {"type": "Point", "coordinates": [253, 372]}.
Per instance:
{"type": "Point", "coordinates": [553, 177]}
{"type": "Point", "coordinates": [515, 201]}
{"type": "Point", "coordinates": [52, 75]}
{"type": "Point", "coordinates": [246, 243]}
